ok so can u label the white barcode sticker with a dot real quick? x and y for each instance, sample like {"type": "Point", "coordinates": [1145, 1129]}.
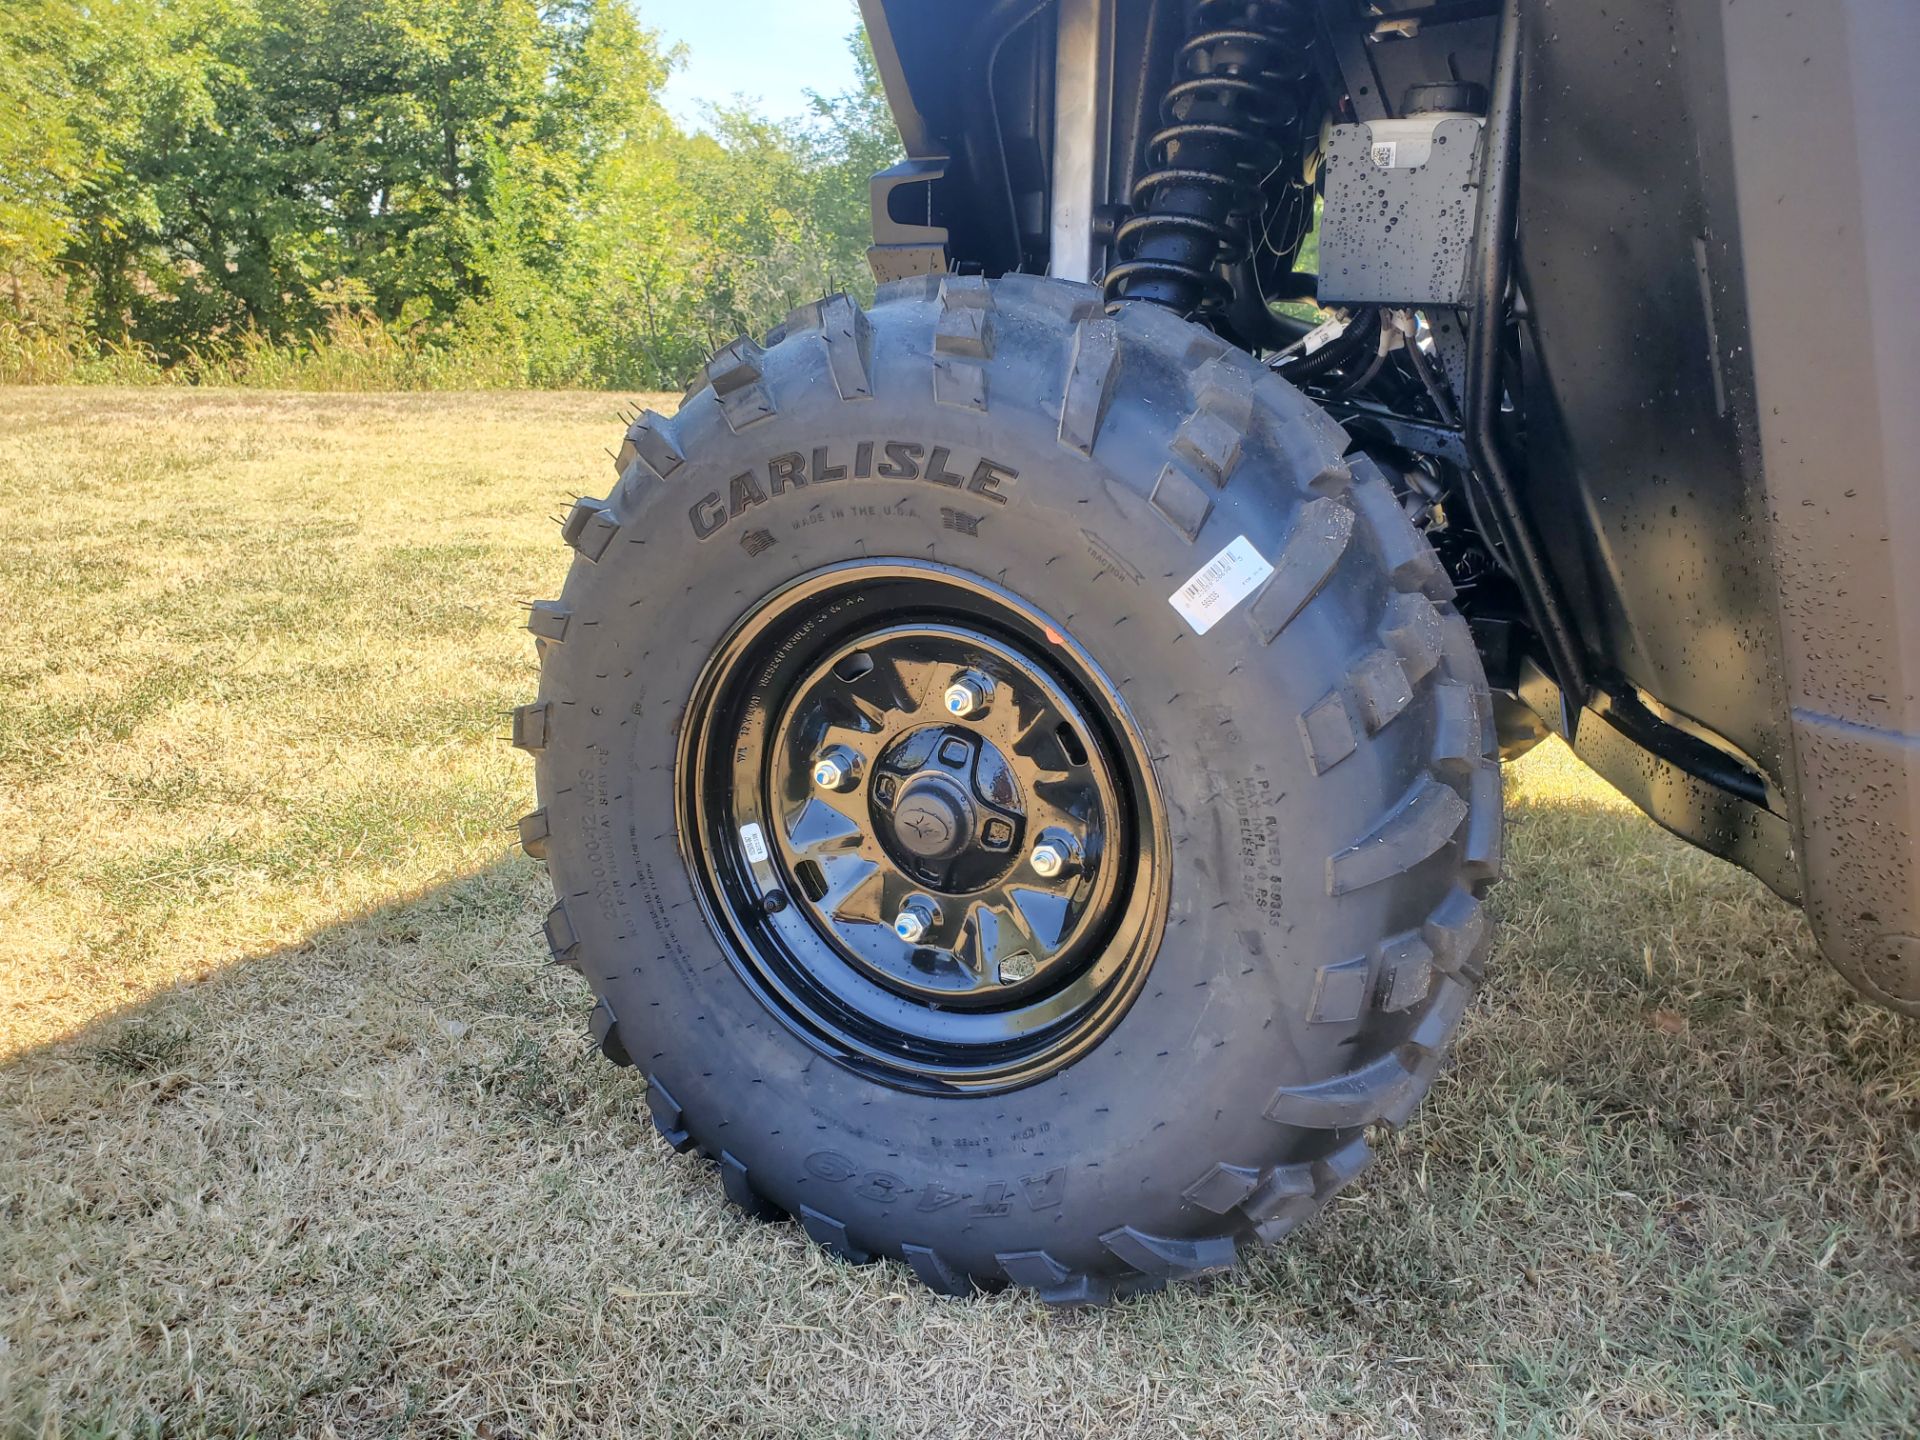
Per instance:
{"type": "Point", "coordinates": [1220, 584]}
{"type": "Point", "coordinates": [1386, 154]}
{"type": "Point", "coordinates": [754, 842]}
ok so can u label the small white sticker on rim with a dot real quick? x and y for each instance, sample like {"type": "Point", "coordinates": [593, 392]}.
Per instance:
{"type": "Point", "coordinates": [754, 842]}
{"type": "Point", "coordinates": [1220, 584]}
{"type": "Point", "coordinates": [1386, 154]}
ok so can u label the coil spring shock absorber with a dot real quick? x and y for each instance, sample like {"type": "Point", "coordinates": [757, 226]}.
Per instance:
{"type": "Point", "coordinates": [1230, 118]}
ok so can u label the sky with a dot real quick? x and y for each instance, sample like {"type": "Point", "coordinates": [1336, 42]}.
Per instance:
{"type": "Point", "coordinates": [771, 50]}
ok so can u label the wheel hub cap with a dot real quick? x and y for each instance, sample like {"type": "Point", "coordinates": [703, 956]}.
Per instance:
{"type": "Point", "coordinates": [932, 822]}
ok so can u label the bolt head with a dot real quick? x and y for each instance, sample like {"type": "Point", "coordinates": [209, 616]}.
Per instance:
{"type": "Point", "coordinates": [968, 695]}
{"type": "Point", "coordinates": [829, 774]}
{"type": "Point", "coordinates": [1017, 967]}
{"type": "Point", "coordinates": [1047, 861]}
{"type": "Point", "coordinates": [911, 924]}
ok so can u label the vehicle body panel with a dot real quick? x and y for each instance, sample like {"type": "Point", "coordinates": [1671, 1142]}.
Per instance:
{"type": "Point", "coordinates": [1823, 114]}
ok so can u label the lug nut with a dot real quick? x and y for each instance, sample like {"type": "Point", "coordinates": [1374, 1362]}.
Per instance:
{"type": "Point", "coordinates": [836, 769]}
{"type": "Point", "coordinates": [1017, 967]}
{"type": "Point", "coordinates": [1054, 852]}
{"type": "Point", "coordinates": [913, 921]}
{"type": "Point", "coordinates": [969, 696]}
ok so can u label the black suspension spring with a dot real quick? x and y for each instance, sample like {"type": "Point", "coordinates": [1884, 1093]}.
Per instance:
{"type": "Point", "coordinates": [1231, 118]}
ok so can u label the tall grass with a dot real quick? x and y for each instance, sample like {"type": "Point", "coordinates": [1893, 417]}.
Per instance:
{"type": "Point", "coordinates": [355, 351]}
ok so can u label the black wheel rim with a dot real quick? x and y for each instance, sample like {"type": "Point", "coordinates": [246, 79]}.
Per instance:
{"type": "Point", "coordinates": [925, 826]}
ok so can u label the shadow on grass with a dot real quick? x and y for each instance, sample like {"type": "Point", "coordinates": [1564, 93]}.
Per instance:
{"type": "Point", "coordinates": [377, 1183]}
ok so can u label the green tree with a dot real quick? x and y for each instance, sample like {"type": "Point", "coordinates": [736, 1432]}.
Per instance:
{"type": "Point", "coordinates": [204, 178]}
{"type": "Point", "coordinates": [41, 156]}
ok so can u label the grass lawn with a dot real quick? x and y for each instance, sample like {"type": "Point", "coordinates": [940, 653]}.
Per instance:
{"type": "Point", "coordinates": [299, 1133]}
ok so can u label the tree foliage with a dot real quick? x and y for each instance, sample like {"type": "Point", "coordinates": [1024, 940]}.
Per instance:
{"type": "Point", "coordinates": [491, 186]}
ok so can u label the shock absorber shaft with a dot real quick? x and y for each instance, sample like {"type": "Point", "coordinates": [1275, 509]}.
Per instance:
{"type": "Point", "coordinates": [1228, 120]}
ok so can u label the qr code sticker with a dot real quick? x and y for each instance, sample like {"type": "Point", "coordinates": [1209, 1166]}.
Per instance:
{"type": "Point", "coordinates": [1386, 154]}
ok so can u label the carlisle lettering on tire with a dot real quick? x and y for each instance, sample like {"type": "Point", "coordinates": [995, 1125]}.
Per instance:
{"type": "Point", "coordinates": [830, 464]}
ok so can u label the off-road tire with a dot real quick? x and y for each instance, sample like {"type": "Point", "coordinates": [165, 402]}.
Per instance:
{"type": "Point", "coordinates": [1326, 754]}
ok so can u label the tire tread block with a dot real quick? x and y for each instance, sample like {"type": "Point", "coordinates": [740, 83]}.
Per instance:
{"type": "Point", "coordinates": [846, 335]}
{"type": "Point", "coordinates": [650, 443]}
{"type": "Point", "coordinates": [1457, 933]}
{"type": "Point", "coordinates": [965, 292]}
{"type": "Point", "coordinates": [967, 333]}
{"type": "Point", "coordinates": [1459, 730]}
{"type": "Point", "coordinates": [1168, 1258]}
{"type": "Point", "coordinates": [1091, 376]}
{"type": "Point", "coordinates": [736, 367]}
{"type": "Point", "coordinates": [547, 619]}
{"type": "Point", "coordinates": [590, 527]}
{"type": "Point", "coordinates": [1294, 1194]}
{"type": "Point", "coordinates": [1067, 300]}
{"type": "Point", "coordinates": [1085, 1291]}
{"type": "Point", "coordinates": [1209, 445]}
{"type": "Point", "coordinates": [1482, 854]}
{"type": "Point", "coordinates": [1221, 1188]}
{"type": "Point", "coordinates": [740, 1190]}
{"type": "Point", "coordinates": [1406, 971]}
{"type": "Point", "coordinates": [1380, 688]}
{"type": "Point", "coordinates": [831, 1235]}
{"type": "Point", "coordinates": [1345, 1102]}
{"type": "Point", "coordinates": [533, 726]}
{"type": "Point", "coordinates": [1224, 389]}
{"type": "Point", "coordinates": [1409, 560]}
{"type": "Point", "coordinates": [1339, 991]}
{"type": "Point", "coordinates": [935, 1273]}
{"type": "Point", "coordinates": [1427, 817]}
{"type": "Point", "coordinates": [605, 1029]}
{"type": "Point", "coordinates": [1412, 630]}
{"type": "Point", "coordinates": [738, 377]}
{"type": "Point", "coordinates": [1332, 481]}
{"type": "Point", "coordinates": [1435, 1029]}
{"type": "Point", "coordinates": [667, 1118]}
{"type": "Point", "coordinates": [1319, 539]}
{"type": "Point", "coordinates": [1280, 1186]}
{"type": "Point", "coordinates": [1181, 501]}
{"type": "Point", "coordinates": [1329, 733]}
{"type": "Point", "coordinates": [1035, 1269]}
{"type": "Point", "coordinates": [563, 941]}
{"type": "Point", "coordinates": [960, 385]}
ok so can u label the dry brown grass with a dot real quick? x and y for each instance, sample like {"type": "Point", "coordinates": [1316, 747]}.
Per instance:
{"type": "Point", "coordinates": [301, 1137]}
